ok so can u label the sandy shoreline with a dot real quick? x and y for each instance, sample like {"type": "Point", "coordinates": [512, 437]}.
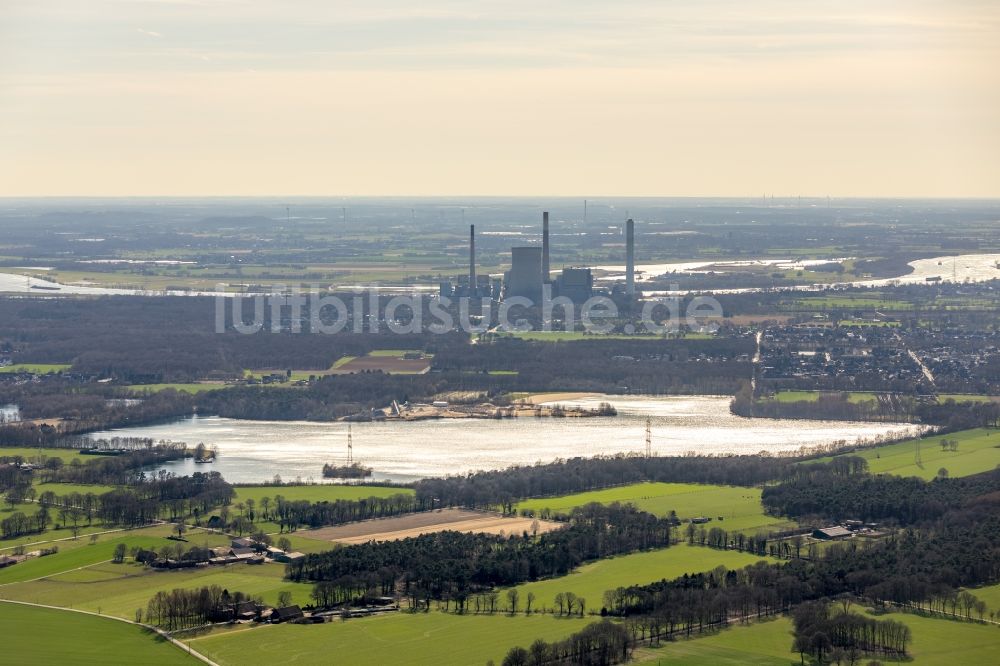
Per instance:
{"type": "Point", "coordinates": [540, 398]}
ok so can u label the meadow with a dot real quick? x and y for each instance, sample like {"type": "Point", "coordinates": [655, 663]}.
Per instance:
{"type": "Point", "coordinates": [592, 580]}
{"type": "Point", "coordinates": [120, 589]}
{"type": "Point", "coordinates": [738, 507]}
{"type": "Point", "coordinates": [36, 368]}
{"type": "Point", "coordinates": [317, 493]}
{"type": "Point", "coordinates": [186, 388]}
{"type": "Point", "coordinates": [66, 455]}
{"type": "Point", "coordinates": [812, 396]}
{"type": "Point", "coordinates": [990, 594]}
{"type": "Point", "coordinates": [936, 642]}
{"type": "Point", "coordinates": [434, 638]}
{"type": "Point", "coordinates": [82, 639]}
{"type": "Point", "coordinates": [74, 554]}
{"type": "Point", "coordinates": [978, 451]}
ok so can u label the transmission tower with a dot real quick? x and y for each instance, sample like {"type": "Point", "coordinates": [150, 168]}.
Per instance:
{"type": "Point", "coordinates": [917, 460]}
{"type": "Point", "coordinates": [649, 437]}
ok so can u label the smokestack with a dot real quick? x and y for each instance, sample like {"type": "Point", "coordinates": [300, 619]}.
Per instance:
{"type": "Point", "coordinates": [545, 247]}
{"type": "Point", "coordinates": [630, 258]}
{"type": "Point", "coordinates": [472, 257]}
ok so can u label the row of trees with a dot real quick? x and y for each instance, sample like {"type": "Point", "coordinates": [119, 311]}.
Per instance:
{"type": "Point", "coordinates": [292, 514]}
{"type": "Point", "coordinates": [599, 644]}
{"type": "Point", "coordinates": [501, 489]}
{"type": "Point", "coordinates": [182, 608]}
{"type": "Point", "coordinates": [18, 524]}
{"type": "Point", "coordinates": [144, 502]}
{"type": "Point", "coordinates": [823, 630]}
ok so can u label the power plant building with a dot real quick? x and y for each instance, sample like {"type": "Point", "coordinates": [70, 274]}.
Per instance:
{"type": "Point", "coordinates": [576, 284]}
{"type": "Point", "coordinates": [530, 270]}
{"type": "Point", "coordinates": [525, 275]}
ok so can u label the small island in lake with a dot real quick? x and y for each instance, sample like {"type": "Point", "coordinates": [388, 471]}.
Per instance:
{"type": "Point", "coordinates": [352, 470]}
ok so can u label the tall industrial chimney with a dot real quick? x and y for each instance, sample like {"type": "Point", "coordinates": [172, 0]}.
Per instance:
{"type": "Point", "coordinates": [630, 258]}
{"type": "Point", "coordinates": [472, 258]}
{"type": "Point", "coordinates": [545, 247]}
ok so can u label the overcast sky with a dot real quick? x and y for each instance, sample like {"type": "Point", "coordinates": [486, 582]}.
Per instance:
{"type": "Point", "coordinates": [574, 97]}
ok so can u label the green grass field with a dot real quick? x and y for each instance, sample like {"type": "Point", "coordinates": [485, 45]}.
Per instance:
{"type": "Point", "coordinates": [438, 639]}
{"type": "Point", "coordinates": [317, 493]}
{"type": "Point", "coordinates": [186, 388]}
{"type": "Point", "coordinates": [47, 636]}
{"type": "Point", "coordinates": [936, 642]}
{"type": "Point", "coordinates": [813, 396]}
{"type": "Point", "coordinates": [81, 553]}
{"type": "Point", "coordinates": [66, 488]}
{"type": "Point", "coordinates": [978, 451]}
{"type": "Point", "coordinates": [592, 580]}
{"type": "Point", "coordinates": [990, 594]}
{"type": "Point", "coordinates": [739, 508]}
{"type": "Point", "coordinates": [965, 397]}
{"type": "Point", "coordinates": [36, 368]}
{"type": "Point", "coordinates": [766, 643]}
{"type": "Point", "coordinates": [67, 455]}
{"type": "Point", "coordinates": [119, 589]}
{"type": "Point", "coordinates": [343, 360]}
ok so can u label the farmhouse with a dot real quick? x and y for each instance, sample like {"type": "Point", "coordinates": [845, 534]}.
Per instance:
{"type": "Point", "coordinates": [828, 533]}
{"type": "Point", "coordinates": [286, 614]}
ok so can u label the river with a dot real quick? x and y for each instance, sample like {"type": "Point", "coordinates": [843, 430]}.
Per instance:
{"type": "Point", "coordinates": [254, 451]}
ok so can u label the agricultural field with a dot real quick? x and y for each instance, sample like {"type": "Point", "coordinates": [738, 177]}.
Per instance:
{"type": "Point", "coordinates": [765, 643]}
{"type": "Point", "coordinates": [66, 455]}
{"type": "Point", "coordinates": [592, 580]}
{"type": "Point", "coordinates": [393, 529]}
{"type": "Point", "coordinates": [79, 553]}
{"type": "Point", "coordinates": [36, 368]}
{"type": "Point", "coordinates": [67, 488]}
{"type": "Point", "coordinates": [978, 451]}
{"type": "Point", "coordinates": [317, 493]}
{"type": "Point", "coordinates": [936, 642]}
{"type": "Point", "coordinates": [390, 361]}
{"type": "Point", "coordinates": [812, 396]}
{"type": "Point", "coordinates": [739, 508]}
{"type": "Point", "coordinates": [965, 397]}
{"type": "Point", "coordinates": [82, 639]}
{"type": "Point", "coordinates": [435, 638]}
{"type": "Point", "coordinates": [990, 594]}
{"type": "Point", "coordinates": [120, 589]}
{"type": "Point", "coordinates": [186, 388]}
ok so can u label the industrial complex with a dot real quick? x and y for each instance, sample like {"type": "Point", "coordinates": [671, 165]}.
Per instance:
{"type": "Point", "coordinates": [530, 272]}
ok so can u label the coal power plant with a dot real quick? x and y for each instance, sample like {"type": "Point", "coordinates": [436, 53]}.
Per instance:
{"type": "Point", "coordinates": [530, 272]}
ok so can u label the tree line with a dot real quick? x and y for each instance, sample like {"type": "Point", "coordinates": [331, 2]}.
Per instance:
{"type": "Point", "coordinates": [501, 489]}
{"type": "Point", "coordinates": [180, 608]}
{"type": "Point", "coordinates": [826, 632]}
{"type": "Point", "coordinates": [819, 491]}
{"type": "Point", "coordinates": [599, 644]}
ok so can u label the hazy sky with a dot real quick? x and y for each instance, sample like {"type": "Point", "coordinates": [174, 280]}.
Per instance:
{"type": "Point", "coordinates": [423, 97]}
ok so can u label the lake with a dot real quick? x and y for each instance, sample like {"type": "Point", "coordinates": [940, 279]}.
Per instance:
{"type": "Point", "coordinates": [254, 451]}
